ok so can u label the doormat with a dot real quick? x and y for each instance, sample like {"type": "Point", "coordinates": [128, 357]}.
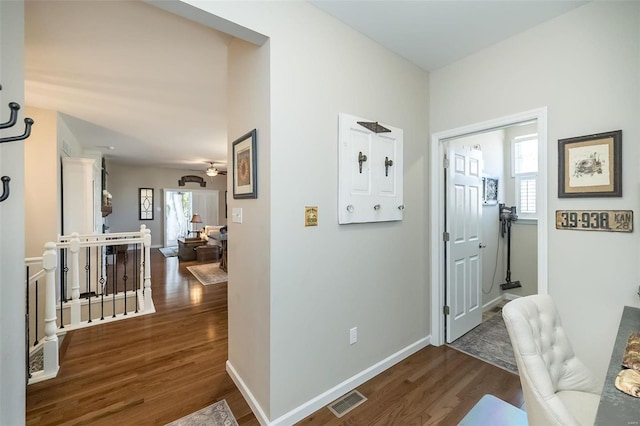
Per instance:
{"type": "Point", "coordinates": [208, 273]}
{"type": "Point", "coordinates": [169, 251]}
{"type": "Point", "coordinates": [217, 414]}
{"type": "Point", "coordinates": [489, 342]}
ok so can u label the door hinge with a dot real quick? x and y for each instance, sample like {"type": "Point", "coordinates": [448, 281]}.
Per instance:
{"type": "Point", "coordinates": [445, 310]}
{"type": "Point", "coordinates": [445, 162]}
{"type": "Point", "coordinates": [445, 236]}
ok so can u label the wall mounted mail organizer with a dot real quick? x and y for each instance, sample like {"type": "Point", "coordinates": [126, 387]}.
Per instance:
{"type": "Point", "coordinates": [370, 171]}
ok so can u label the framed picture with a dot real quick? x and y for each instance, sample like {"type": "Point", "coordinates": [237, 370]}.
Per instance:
{"type": "Point", "coordinates": [145, 202]}
{"type": "Point", "coordinates": [489, 191]}
{"type": "Point", "coordinates": [245, 182]}
{"type": "Point", "coordinates": [590, 166]}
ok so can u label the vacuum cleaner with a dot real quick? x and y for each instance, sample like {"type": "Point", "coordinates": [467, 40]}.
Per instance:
{"type": "Point", "coordinates": [507, 216]}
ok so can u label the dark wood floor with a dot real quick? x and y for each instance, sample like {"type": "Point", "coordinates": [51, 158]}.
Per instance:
{"type": "Point", "coordinates": [160, 367]}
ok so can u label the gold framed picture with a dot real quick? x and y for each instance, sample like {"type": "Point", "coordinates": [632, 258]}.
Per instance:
{"type": "Point", "coordinates": [245, 182]}
{"type": "Point", "coordinates": [590, 166]}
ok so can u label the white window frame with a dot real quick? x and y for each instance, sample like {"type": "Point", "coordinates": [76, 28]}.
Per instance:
{"type": "Point", "coordinates": [518, 177]}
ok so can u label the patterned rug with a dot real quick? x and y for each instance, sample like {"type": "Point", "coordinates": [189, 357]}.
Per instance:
{"type": "Point", "coordinates": [217, 414]}
{"type": "Point", "coordinates": [169, 251]}
{"type": "Point", "coordinates": [490, 342]}
{"type": "Point", "coordinates": [208, 273]}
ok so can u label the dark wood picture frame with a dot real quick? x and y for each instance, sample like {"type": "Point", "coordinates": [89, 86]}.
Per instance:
{"type": "Point", "coordinates": [245, 180]}
{"type": "Point", "coordinates": [145, 203]}
{"type": "Point", "coordinates": [590, 166]}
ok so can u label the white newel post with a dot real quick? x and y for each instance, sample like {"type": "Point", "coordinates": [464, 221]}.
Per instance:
{"type": "Point", "coordinates": [50, 348]}
{"type": "Point", "coordinates": [147, 267]}
{"type": "Point", "coordinates": [74, 268]}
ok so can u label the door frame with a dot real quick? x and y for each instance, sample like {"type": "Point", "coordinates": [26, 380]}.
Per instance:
{"type": "Point", "coordinates": [437, 215]}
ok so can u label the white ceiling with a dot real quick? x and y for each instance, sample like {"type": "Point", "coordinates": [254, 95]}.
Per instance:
{"type": "Point", "coordinates": [131, 76]}
{"type": "Point", "coordinates": [153, 85]}
{"type": "Point", "coordinates": [435, 33]}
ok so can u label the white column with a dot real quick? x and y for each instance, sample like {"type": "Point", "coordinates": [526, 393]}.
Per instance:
{"type": "Point", "coordinates": [50, 348]}
{"type": "Point", "coordinates": [74, 272]}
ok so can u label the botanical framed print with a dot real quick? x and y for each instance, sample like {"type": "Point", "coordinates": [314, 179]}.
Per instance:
{"type": "Point", "coordinates": [590, 166]}
{"type": "Point", "coordinates": [145, 202]}
{"type": "Point", "coordinates": [245, 183]}
{"type": "Point", "coordinates": [489, 191]}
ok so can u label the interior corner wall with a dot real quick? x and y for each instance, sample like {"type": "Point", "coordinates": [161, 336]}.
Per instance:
{"type": "Point", "coordinates": [123, 182]}
{"type": "Point", "coordinates": [594, 88]}
{"type": "Point", "coordinates": [41, 182]}
{"type": "Point", "coordinates": [249, 247]}
{"type": "Point", "coordinates": [324, 280]}
{"type": "Point", "coordinates": [12, 243]}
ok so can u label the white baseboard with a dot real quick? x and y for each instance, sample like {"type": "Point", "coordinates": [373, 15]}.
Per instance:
{"type": "Point", "coordinates": [492, 303]}
{"type": "Point", "coordinates": [330, 395]}
{"type": "Point", "coordinates": [510, 296]}
{"type": "Point", "coordinates": [156, 246]}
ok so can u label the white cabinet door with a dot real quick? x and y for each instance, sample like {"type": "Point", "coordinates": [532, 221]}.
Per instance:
{"type": "Point", "coordinates": [370, 172]}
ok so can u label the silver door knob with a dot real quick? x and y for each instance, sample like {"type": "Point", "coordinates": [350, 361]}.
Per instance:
{"type": "Point", "coordinates": [482, 245]}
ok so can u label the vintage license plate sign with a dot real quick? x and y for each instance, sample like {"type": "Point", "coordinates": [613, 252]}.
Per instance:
{"type": "Point", "coordinates": [595, 220]}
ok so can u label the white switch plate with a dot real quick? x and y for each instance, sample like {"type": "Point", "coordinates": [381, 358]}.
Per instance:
{"type": "Point", "coordinates": [236, 215]}
{"type": "Point", "coordinates": [353, 335]}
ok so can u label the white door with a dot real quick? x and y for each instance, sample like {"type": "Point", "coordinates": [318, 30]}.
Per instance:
{"type": "Point", "coordinates": [464, 214]}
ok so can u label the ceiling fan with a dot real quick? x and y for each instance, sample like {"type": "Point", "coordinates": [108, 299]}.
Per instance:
{"type": "Point", "coordinates": [214, 171]}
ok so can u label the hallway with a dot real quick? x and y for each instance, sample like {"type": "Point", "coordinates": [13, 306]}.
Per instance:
{"type": "Point", "coordinates": [148, 370]}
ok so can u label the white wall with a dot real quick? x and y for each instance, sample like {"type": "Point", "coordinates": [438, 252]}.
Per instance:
{"type": "Point", "coordinates": [123, 182]}
{"type": "Point", "coordinates": [249, 246]}
{"type": "Point", "coordinates": [41, 182]}
{"type": "Point", "coordinates": [12, 246]}
{"type": "Point", "coordinates": [585, 67]}
{"type": "Point", "coordinates": [327, 279]}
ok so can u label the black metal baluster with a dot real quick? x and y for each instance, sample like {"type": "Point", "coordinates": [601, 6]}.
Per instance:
{"type": "Point", "coordinates": [87, 268]}
{"type": "Point", "coordinates": [125, 277]}
{"type": "Point", "coordinates": [136, 276]}
{"type": "Point", "coordinates": [114, 269]}
{"type": "Point", "coordinates": [63, 282]}
{"type": "Point", "coordinates": [36, 315]}
{"type": "Point", "coordinates": [103, 268]}
{"type": "Point", "coordinates": [27, 331]}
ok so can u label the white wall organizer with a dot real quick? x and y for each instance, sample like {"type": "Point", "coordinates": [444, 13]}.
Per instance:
{"type": "Point", "coordinates": [370, 172]}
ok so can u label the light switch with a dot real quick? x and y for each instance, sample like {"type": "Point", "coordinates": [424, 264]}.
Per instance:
{"type": "Point", "coordinates": [236, 215]}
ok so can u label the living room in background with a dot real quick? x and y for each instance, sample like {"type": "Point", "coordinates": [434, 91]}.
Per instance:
{"type": "Point", "coordinates": [179, 208]}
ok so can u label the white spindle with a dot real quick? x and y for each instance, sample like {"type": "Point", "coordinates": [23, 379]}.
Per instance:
{"type": "Point", "coordinates": [147, 268]}
{"type": "Point", "coordinates": [50, 349]}
{"type": "Point", "coordinates": [74, 270]}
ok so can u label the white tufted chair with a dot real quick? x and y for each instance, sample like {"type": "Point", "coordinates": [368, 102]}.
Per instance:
{"type": "Point", "coordinates": [558, 388]}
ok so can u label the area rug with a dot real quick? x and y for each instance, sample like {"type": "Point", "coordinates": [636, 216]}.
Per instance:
{"type": "Point", "coordinates": [490, 342]}
{"type": "Point", "coordinates": [217, 414]}
{"type": "Point", "coordinates": [208, 273]}
{"type": "Point", "coordinates": [169, 251]}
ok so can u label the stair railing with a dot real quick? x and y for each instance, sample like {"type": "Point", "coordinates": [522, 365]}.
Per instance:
{"type": "Point", "coordinates": [101, 266]}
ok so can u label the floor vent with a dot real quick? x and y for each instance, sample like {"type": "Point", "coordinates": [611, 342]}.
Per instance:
{"type": "Point", "coordinates": [347, 403]}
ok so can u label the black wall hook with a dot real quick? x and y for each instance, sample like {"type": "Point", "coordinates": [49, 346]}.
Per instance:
{"type": "Point", "coordinates": [28, 122]}
{"type": "Point", "coordinates": [14, 107]}
{"type": "Point", "coordinates": [5, 188]}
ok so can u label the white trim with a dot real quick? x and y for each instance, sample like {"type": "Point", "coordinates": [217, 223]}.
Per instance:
{"type": "Point", "coordinates": [436, 201]}
{"type": "Point", "coordinates": [330, 395]}
{"type": "Point", "coordinates": [492, 303]}
{"type": "Point", "coordinates": [511, 296]}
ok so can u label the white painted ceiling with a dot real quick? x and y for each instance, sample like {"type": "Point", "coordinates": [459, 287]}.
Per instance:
{"type": "Point", "coordinates": [152, 85]}
{"type": "Point", "coordinates": [435, 33]}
